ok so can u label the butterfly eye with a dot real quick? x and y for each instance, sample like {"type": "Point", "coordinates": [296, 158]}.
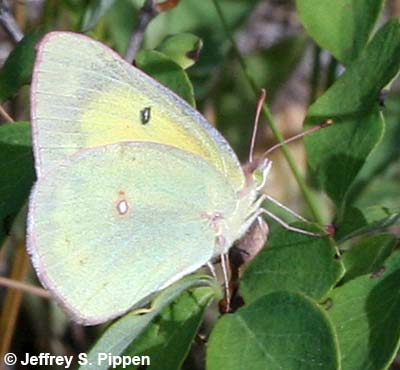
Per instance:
{"type": "Point", "coordinates": [261, 173]}
{"type": "Point", "coordinates": [145, 115]}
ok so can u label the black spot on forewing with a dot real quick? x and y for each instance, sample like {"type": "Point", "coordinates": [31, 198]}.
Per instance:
{"type": "Point", "coordinates": [145, 115]}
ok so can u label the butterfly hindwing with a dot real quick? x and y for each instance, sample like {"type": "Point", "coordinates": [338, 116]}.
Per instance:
{"type": "Point", "coordinates": [112, 225]}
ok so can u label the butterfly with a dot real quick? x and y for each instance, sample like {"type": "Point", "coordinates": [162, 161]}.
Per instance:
{"type": "Point", "coordinates": [135, 188]}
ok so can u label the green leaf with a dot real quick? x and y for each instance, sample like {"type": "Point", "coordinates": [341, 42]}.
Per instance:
{"type": "Point", "coordinates": [17, 69]}
{"type": "Point", "coordinates": [166, 71]}
{"type": "Point", "coordinates": [282, 330]}
{"type": "Point", "coordinates": [368, 255]}
{"type": "Point", "coordinates": [17, 172]}
{"type": "Point", "coordinates": [385, 154]}
{"type": "Point", "coordinates": [342, 27]}
{"type": "Point", "coordinates": [383, 190]}
{"type": "Point", "coordinates": [127, 329]}
{"type": "Point", "coordinates": [292, 261]}
{"type": "Point", "coordinates": [168, 339]}
{"type": "Point", "coordinates": [359, 221]}
{"type": "Point", "coordinates": [183, 49]}
{"type": "Point", "coordinates": [365, 312]}
{"type": "Point", "coordinates": [95, 9]}
{"type": "Point", "coordinates": [337, 153]}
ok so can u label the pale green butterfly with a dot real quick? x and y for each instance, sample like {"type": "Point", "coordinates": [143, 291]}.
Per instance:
{"type": "Point", "coordinates": [135, 188]}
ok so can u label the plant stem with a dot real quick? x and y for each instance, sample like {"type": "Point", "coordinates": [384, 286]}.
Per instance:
{"type": "Point", "coordinates": [147, 13]}
{"type": "Point", "coordinates": [149, 10]}
{"type": "Point", "coordinates": [271, 122]}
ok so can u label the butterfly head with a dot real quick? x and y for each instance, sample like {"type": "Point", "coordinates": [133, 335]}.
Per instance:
{"type": "Point", "coordinates": [257, 172]}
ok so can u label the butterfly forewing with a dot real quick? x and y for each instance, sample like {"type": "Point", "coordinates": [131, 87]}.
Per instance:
{"type": "Point", "coordinates": [84, 95]}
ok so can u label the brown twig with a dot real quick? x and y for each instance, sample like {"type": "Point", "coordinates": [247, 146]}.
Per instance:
{"type": "Point", "coordinates": [9, 23]}
{"type": "Point", "coordinates": [148, 12]}
{"type": "Point", "coordinates": [5, 115]}
{"type": "Point", "coordinates": [13, 300]}
{"type": "Point", "coordinates": [24, 287]}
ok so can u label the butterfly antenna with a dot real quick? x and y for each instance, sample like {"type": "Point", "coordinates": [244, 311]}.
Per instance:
{"type": "Point", "coordinates": [323, 124]}
{"type": "Point", "coordinates": [260, 104]}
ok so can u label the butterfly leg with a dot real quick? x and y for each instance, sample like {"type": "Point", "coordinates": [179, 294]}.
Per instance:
{"type": "Point", "coordinates": [212, 269]}
{"type": "Point", "coordinates": [217, 222]}
{"type": "Point", "coordinates": [288, 227]}
{"type": "Point", "coordinates": [287, 209]}
{"type": "Point", "coordinates": [225, 266]}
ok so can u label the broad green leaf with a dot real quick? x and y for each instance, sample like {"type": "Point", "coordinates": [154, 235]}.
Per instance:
{"type": "Point", "coordinates": [342, 27]}
{"type": "Point", "coordinates": [383, 190]}
{"type": "Point", "coordinates": [127, 329]}
{"type": "Point", "coordinates": [166, 71]}
{"type": "Point", "coordinates": [359, 221]}
{"type": "Point", "coordinates": [168, 339]}
{"type": "Point", "coordinates": [292, 261]}
{"type": "Point", "coordinates": [95, 9]}
{"type": "Point", "coordinates": [368, 255]}
{"type": "Point", "coordinates": [365, 313]}
{"type": "Point", "coordinates": [17, 69]}
{"type": "Point", "coordinates": [17, 172]}
{"type": "Point", "coordinates": [337, 153]}
{"type": "Point", "coordinates": [282, 330]}
{"type": "Point", "coordinates": [385, 154]}
{"type": "Point", "coordinates": [184, 49]}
